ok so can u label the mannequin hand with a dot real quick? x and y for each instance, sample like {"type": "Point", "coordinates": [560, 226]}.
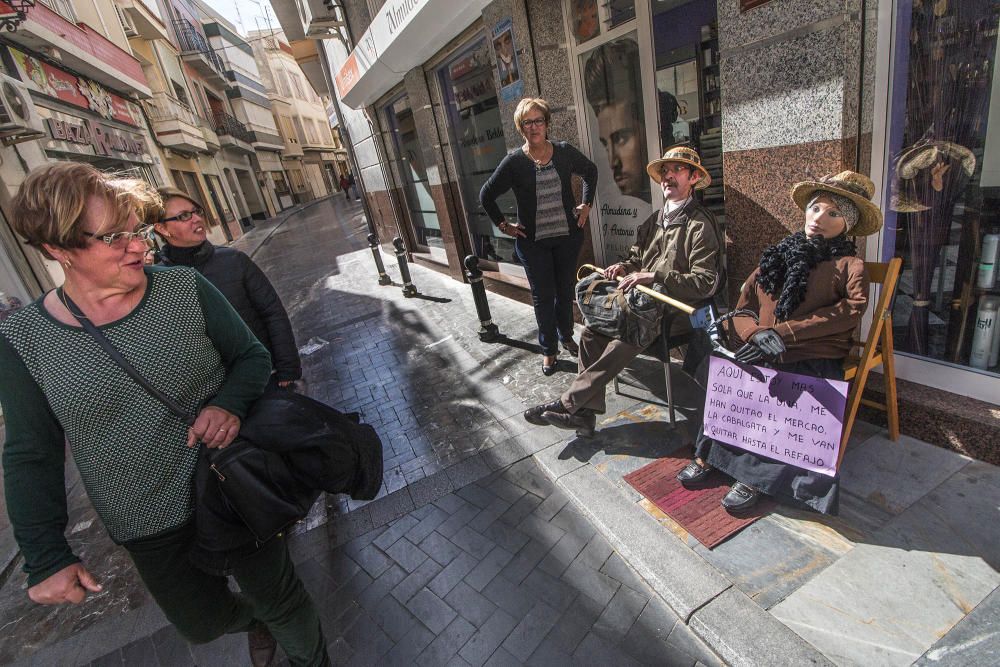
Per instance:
{"type": "Point", "coordinates": [766, 344]}
{"type": "Point", "coordinates": [633, 279]}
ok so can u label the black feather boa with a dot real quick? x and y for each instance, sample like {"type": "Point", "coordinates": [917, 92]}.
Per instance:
{"type": "Point", "coordinates": [785, 267]}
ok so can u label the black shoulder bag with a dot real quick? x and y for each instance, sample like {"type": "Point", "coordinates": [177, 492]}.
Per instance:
{"type": "Point", "coordinates": [257, 484]}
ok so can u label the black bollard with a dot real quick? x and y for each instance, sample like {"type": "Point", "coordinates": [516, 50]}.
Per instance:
{"type": "Point", "coordinates": [488, 332]}
{"type": "Point", "coordinates": [383, 277]}
{"type": "Point", "coordinates": [404, 269]}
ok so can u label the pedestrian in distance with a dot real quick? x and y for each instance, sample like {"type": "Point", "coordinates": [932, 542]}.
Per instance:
{"type": "Point", "coordinates": [353, 185]}
{"type": "Point", "coordinates": [809, 292]}
{"type": "Point", "coordinates": [345, 186]}
{"type": "Point", "coordinates": [180, 220]}
{"type": "Point", "coordinates": [135, 457]}
{"type": "Point", "coordinates": [548, 233]}
{"type": "Point", "coordinates": [680, 247]}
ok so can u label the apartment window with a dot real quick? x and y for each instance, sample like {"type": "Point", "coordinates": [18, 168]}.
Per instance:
{"type": "Point", "coordinates": [62, 7]}
{"type": "Point", "coordinates": [179, 92]}
{"type": "Point", "coordinates": [299, 130]}
{"type": "Point", "coordinates": [311, 134]}
{"type": "Point", "coordinates": [282, 81]}
{"type": "Point", "coordinates": [297, 86]}
{"type": "Point", "coordinates": [285, 124]}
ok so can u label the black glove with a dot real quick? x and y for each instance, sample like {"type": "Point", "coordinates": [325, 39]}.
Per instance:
{"type": "Point", "coordinates": [766, 344]}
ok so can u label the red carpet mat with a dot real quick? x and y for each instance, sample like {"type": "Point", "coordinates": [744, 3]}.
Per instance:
{"type": "Point", "coordinates": [697, 511]}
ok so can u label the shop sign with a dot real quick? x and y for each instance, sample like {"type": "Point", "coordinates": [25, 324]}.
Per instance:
{"type": "Point", "coordinates": [77, 91]}
{"type": "Point", "coordinates": [792, 418]}
{"type": "Point", "coordinates": [474, 90]}
{"type": "Point", "coordinates": [750, 4]}
{"type": "Point", "coordinates": [104, 139]}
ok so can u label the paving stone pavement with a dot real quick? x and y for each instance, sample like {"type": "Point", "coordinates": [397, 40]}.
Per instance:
{"type": "Point", "coordinates": [504, 571]}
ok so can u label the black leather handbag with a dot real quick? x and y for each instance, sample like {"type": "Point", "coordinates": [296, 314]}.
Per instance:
{"type": "Point", "coordinates": [268, 487]}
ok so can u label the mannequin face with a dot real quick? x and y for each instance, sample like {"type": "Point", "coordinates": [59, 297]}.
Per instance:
{"type": "Point", "coordinates": [677, 180]}
{"type": "Point", "coordinates": [823, 218]}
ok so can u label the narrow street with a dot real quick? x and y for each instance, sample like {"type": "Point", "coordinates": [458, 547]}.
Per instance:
{"type": "Point", "coordinates": [496, 542]}
{"type": "Point", "coordinates": [464, 559]}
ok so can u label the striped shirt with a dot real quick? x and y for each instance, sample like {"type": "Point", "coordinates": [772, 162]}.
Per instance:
{"type": "Point", "coordinates": [550, 219]}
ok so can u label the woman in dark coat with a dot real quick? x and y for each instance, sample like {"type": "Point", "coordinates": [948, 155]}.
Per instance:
{"type": "Point", "coordinates": [810, 292]}
{"type": "Point", "coordinates": [549, 231]}
{"type": "Point", "coordinates": [182, 225]}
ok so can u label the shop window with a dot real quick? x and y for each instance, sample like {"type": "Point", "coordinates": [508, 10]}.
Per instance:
{"type": "Point", "coordinates": [477, 140]}
{"type": "Point", "coordinates": [942, 197]}
{"type": "Point", "coordinates": [620, 11]}
{"type": "Point", "coordinates": [410, 167]}
{"type": "Point", "coordinates": [688, 99]}
{"type": "Point", "coordinates": [584, 19]}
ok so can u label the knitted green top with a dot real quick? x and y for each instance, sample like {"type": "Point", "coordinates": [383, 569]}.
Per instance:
{"type": "Point", "coordinates": [59, 385]}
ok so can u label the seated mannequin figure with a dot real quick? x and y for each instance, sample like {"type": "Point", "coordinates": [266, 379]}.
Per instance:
{"type": "Point", "coordinates": [810, 292]}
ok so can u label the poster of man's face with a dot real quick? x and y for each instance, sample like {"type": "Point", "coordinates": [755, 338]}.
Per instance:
{"type": "Point", "coordinates": [503, 44]}
{"type": "Point", "coordinates": [611, 79]}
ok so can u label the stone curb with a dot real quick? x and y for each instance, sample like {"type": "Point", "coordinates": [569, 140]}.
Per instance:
{"type": "Point", "coordinates": [730, 623]}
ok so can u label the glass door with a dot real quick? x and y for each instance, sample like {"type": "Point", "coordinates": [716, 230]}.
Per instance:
{"type": "Point", "coordinates": [420, 207]}
{"type": "Point", "coordinates": [476, 132]}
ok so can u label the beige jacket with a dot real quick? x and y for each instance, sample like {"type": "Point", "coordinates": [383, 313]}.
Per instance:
{"type": "Point", "coordinates": [688, 257]}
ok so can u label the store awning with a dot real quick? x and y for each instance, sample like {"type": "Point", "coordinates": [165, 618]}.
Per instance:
{"type": "Point", "coordinates": [403, 35]}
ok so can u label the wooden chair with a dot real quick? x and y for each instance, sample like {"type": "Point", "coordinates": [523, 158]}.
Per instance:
{"type": "Point", "coordinates": [876, 351]}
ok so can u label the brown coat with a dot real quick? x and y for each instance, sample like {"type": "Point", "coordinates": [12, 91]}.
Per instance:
{"type": "Point", "coordinates": [687, 258]}
{"type": "Point", "coordinates": [821, 327]}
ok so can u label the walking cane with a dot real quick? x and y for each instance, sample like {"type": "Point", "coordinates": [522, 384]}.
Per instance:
{"type": "Point", "coordinates": [670, 301]}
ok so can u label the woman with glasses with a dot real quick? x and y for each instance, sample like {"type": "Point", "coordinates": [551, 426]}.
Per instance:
{"type": "Point", "coordinates": [548, 233]}
{"type": "Point", "coordinates": [182, 225]}
{"type": "Point", "coordinates": [136, 458]}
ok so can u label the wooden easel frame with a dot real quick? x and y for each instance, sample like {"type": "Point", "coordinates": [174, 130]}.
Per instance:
{"type": "Point", "coordinates": [878, 351]}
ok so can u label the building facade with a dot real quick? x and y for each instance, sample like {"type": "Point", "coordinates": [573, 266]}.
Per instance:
{"type": "Point", "coordinates": [770, 93]}
{"type": "Point", "coordinates": [301, 119]}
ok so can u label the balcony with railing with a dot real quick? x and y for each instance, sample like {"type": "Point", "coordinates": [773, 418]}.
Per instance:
{"type": "Point", "coordinates": [232, 133]}
{"type": "Point", "coordinates": [174, 124]}
{"type": "Point", "coordinates": [196, 51]}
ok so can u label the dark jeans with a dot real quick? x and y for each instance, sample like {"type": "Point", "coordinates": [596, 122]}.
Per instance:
{"type": "Point", "coordinates": [550, 265]}
{"type": "Point", "coordinates": [202, 607]}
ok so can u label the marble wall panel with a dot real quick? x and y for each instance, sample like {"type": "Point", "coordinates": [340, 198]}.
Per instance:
{"type": "Point", "coordinates": [790, 92]}
{"type": "Point", "coordinates": [552, 62]}
{"type": "Point", "coordinates": [364, 151]}
{"type": "Point", "coordinates": [759, 208]}
{"type": "Point", "coordinates": [494, 13]}
{"type": "Point", "coordinates": [775, 18]}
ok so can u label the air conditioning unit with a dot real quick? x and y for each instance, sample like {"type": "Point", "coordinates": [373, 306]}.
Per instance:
{"type": "Point", "coordinates": [18, 116]}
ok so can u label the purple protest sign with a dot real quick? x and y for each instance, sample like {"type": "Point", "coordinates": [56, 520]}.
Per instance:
{"type": "Point", "coordinates": [796, 419]}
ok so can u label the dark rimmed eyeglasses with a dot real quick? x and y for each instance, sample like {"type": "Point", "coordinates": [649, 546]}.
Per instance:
{"type": "Point", "coordinates": [533, 122]}
{"type": "Point", "coordinates": [184, 216]}
{"type": "Point", "coordinates": [121, 240]}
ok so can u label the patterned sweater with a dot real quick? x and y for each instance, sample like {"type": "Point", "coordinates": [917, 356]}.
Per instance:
{"type": "Point", "coordinates": [59, 385]}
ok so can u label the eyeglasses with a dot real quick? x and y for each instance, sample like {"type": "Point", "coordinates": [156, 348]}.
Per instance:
{"type": "Point", "coordinates": [673, 169]}
{"type": "Point", "coordinates": [121, 240]}
{"type": "Point", "coordinates": [184, 216]}
{"type": "Point", "coordinates": [533, 122]}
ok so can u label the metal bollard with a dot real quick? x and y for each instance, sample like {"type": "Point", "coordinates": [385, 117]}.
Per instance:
{"type": "Point", "coordinates": [383, 277]}
{"type": "Point", "coordinates": [488, 332]}
{"type": "Point", "coordinates": [404, 269]}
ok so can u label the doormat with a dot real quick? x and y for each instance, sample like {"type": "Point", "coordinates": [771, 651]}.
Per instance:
{"type": "Point", "coordinates": [697, 510]}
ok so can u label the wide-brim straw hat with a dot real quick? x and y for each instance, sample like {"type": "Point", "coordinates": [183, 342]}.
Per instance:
{"type": "Point", "coordinates": [856, 187]}
{"type": "Point", "coordinates": [686, 155]}
{"type": "Point", "coordinates": [922, 156]}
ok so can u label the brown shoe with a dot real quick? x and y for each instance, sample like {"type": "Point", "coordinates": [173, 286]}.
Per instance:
{"type": "Point", "coordinates": [583, 422]}
{"type": "Point", "coordinates": [262, 645]}
{"type": "Point", "coordinates": [534, 415]}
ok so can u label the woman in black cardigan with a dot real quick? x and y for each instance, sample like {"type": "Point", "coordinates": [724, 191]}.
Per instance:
{"type": "Point", "coordinates": [549, 232]}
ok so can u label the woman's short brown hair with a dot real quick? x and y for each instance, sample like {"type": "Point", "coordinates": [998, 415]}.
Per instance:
{"type": "Point", "coordinates": [169, 193]}
{"type": "Point", "coordinates": [49, 205]}
{"type": "Point", "coordinates": [526, 105]}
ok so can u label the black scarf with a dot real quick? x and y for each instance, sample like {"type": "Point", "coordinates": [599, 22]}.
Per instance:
{"type": "Point", "coordinates": [785, 267]}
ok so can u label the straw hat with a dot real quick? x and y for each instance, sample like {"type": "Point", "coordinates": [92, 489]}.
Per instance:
{"type": "Point", "coordinates": [856, 187]}
{"type": "Point", "coordinates": [917, 158]}
{"type": "Point", "coordinates": [686, 155]}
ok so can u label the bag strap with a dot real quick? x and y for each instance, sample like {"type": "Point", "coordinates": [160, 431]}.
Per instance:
{"type": "Point", "coordinates": [121, 361]}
